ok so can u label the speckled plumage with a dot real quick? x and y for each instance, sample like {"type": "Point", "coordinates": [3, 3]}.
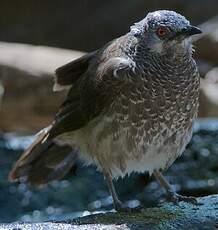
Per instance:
{"type": "Point", "coordinates": [130, 107]}
{"type": "Point", "coordinates": [149, 121]}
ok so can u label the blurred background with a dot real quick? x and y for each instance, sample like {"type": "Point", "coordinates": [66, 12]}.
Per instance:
{"type": "Point", "coordinates": [36, 37]}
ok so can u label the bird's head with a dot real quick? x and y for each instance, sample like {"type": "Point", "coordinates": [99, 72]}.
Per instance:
{"type": "Point", "coordinates": [162, 31]}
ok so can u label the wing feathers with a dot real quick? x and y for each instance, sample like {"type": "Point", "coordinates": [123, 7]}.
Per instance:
{"type": "Point", "coordinates": [44, 161]}
{"type": "Point", "coordinates": [95, 80]}
{"type": "Point", "coordinates": [67, 75]}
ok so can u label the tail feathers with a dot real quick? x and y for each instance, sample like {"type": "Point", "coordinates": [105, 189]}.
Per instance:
{"type": "Point", "coordinates": [43, 161]}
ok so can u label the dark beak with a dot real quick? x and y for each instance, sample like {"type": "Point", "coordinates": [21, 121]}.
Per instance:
{"type": "Point", "coordinates": [191, 30]}
{"type": "Point", "coordinates": [187, 32]}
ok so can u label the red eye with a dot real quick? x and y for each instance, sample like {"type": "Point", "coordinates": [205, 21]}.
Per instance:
{"type": "Point", "coordinates": [162, 31]}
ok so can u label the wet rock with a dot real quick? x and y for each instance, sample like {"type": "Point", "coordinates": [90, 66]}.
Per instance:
{"type": "Point", "coordinates": [169, 216]}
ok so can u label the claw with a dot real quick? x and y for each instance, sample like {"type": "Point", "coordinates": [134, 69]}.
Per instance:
{"type": "Point", "coordinates": [176, 198]}
{"type": "Point", "coordinates": [173, 196]}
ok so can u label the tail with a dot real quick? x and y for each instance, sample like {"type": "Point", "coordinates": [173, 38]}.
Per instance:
{"type": "Point", "coordinates": [44, 161]}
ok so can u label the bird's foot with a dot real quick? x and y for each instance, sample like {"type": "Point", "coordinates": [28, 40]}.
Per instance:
{"type": "Point", "coordinates": [176, 198]}
{"type": "Point", "coordinates": [120, 207]}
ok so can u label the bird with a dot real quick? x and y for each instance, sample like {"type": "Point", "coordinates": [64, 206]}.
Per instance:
{"type": "Point", "coordinates": [130, 107]}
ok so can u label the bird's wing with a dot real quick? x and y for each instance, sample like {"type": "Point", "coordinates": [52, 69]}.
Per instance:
{"type": "Point", "coordinates": [91, 92]}
{"type": "Point", "coordinates": [94, 81]}
{"type": "Point", "coordinates": [68, 74]}
{"type": "Point", "coordinates": [44, 161]}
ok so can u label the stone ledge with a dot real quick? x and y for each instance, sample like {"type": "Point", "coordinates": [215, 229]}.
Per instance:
{"type": "Point", "coordinates": [168, 216]}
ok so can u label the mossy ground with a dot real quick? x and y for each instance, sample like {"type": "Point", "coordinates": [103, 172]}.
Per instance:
{"type": "Point", "coordinates": [169, 216]}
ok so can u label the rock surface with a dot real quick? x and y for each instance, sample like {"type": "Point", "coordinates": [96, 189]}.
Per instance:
{"type": "Point", "coordinates": [26, 83]}
{"type": "Point", "coordinates": [209, 94]}
{"type": "Point", "coordinates": [169, 216]}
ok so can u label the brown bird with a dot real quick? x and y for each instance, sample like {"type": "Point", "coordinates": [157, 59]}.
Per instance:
{"type": "Point", "coordinates": [130, 107]}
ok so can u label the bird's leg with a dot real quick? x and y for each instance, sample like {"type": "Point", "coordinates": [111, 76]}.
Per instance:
{"type": "Point", "coordinates": [118, 205]}
{"type": "Point", "coordinates": [173, 196]}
